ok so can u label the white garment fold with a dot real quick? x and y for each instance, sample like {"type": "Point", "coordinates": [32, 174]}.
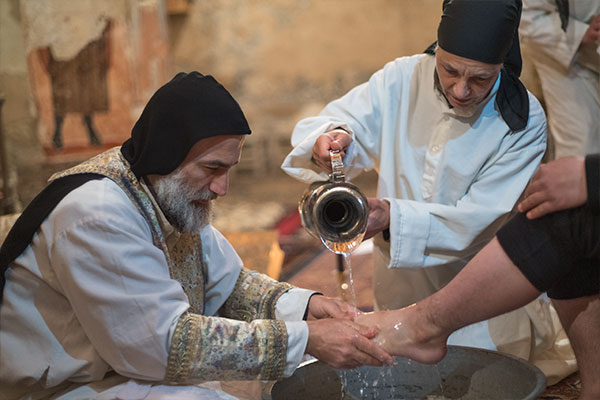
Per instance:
{"type": "Point", "coordinates": [450, 181]}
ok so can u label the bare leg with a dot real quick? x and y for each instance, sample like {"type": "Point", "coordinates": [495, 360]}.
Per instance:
{"type": "Point", "coordinates": [420, 331]}
{"type": "Point", "coordinates": [580, 318]}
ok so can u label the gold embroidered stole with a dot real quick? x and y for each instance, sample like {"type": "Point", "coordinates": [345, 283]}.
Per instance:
{"type": "Point", "coordinates": [184, 256]}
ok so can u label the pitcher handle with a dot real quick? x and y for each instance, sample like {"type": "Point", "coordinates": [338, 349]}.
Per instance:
{"type": "Point", "coordinates": [337, 167]}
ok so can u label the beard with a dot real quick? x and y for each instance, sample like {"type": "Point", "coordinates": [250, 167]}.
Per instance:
{"type": "Point", "coordinates": [187, 208]}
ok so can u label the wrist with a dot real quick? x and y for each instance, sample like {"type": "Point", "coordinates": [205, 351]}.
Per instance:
{"type": "Point", "coordinates": [307, 310]}
{"type": "Point", "coordinates": [311, 339]}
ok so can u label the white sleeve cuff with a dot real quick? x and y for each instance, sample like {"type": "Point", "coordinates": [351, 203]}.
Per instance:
{"type": "Point", "coordinates": [292, 304]}
{"type": "Point", "coordinates": [290, 308]}
{"type": "Point", "coordinates": [409, 231]}
{"type": "Point", "coordinates": [298, 162]}
{"type": "Point", "coordinates": [297, 339]}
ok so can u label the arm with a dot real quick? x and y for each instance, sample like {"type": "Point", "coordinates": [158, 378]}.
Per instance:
{"type": "Point", "coordinates": [235, 292]}
{"type": "Point", "coordinates": [258, 346]}
{"type": "Point", "coordinates": [328, 333]}
{"type": "Point", "coordinates": [541, 28]}
{"type": "Point", "coordinates": [359, 115]}
{"type": "Point", "coordinates": [254, 297]}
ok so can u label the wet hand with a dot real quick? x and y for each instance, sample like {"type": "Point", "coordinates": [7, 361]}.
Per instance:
{"type": "Point", "coordinates": [333, 140]}
{"type": "Point", "coordinates": [321, 307]}
{"type": "Point", "coordinates": [557, 185]}
{"type": "Point", "coordinates": [344, 344]}
{"type": "Point", "coordinates": [379, 217]}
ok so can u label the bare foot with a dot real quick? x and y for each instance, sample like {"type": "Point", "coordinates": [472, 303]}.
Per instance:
{"type": "Point", "coordinates": [407, 333]}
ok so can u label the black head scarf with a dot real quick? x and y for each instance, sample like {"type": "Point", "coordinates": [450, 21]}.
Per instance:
{"type": "Point", "coordinates": [487, 31]}
{"type": "Point", "coordinates": [187, 109]}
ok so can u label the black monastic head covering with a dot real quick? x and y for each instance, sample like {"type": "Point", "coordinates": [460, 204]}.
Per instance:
{"type": "Point", "coordinates": [487, 31]}
{"type": "Point", "coordinates": [187, 109]}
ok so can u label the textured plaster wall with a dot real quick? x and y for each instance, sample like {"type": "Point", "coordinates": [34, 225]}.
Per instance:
{"type": "Point", "coordinates": [282, 59]}
{"type": "Point", "coordinates": [18, 115]}
{"type": "Point", "coordinates": [286, 58]}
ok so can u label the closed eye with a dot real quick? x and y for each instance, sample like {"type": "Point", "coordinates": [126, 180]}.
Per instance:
{"type": "Point", "coordinates": [450, 71]}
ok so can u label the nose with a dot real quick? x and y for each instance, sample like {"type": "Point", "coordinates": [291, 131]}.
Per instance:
{"type": "Point", "coordinates": [220, 184]}
{"type": "Point", "coordinates": [461, 89]}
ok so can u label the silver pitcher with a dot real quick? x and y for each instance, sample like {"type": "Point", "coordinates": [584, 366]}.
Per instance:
{"type": "Point", "coordinates": [335, 211]}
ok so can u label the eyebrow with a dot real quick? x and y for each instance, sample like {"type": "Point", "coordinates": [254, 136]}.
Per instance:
{"type": "Point", "coordinates": [219, 163]}
{"type": "Point", "coordinates": [482, 75]}
{"type": "Point", "coordinates": [448, 66]}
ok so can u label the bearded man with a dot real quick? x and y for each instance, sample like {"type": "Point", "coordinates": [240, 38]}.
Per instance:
{"type": "Point", "coordinates": [116, 285]}
{"type": "Point", "coordinates": [454, 137]}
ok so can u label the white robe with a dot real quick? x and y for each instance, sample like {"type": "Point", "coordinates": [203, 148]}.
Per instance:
{"type": "Point", "coordinates": [568, 72]}
{"type": "Point", "coordinates": [63, 322]}
{"type": "Point", "coordinates": [450, 182]}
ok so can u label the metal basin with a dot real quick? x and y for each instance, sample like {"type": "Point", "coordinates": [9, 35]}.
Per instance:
{"type": "Point", "coordinates": [465, 373]}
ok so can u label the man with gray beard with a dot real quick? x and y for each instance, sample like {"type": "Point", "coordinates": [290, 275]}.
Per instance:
{"type": "Point", "coordinates": [115, 285]}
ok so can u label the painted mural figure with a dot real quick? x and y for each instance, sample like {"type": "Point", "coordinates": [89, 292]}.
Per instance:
{"type": "Point", "coordinates": [79, 85]}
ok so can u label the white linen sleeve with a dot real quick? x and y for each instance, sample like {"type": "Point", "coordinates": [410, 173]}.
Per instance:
{"type": "Point", "coordinates": [540, 27]}
{"type": "Point", "coordinates": [425, 234]}
{"type": "Point", "coordinates": [117, 282]}
{"type": "Point", "coordinates": [359, 113]}
{"type": "Point", "coordinates": [290, 308]}
{"type": "Point", "coordinates": [297, 339]}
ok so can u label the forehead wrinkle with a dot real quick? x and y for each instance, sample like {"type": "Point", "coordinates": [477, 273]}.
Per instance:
{"type": "Point", "coordinates": [465, 68]}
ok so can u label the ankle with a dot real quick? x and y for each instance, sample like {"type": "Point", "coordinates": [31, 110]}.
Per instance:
{"type": "Point", "coordinates": [433, 323]}
{"type": "Point", "coordinates": [426, 330]}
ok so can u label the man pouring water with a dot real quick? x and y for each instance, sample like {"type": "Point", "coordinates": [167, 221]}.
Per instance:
{"type": "Point", "coordinates": [454, 137]}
